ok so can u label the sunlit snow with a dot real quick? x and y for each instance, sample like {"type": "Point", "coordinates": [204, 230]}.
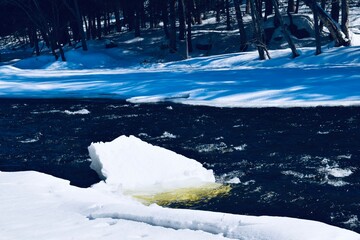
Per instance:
{"type": "Point", "coordinates": [231, 80]}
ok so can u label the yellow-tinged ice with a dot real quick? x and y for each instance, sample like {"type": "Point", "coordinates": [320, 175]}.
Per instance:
{"type": "Point", "coordinates": [186, 196]}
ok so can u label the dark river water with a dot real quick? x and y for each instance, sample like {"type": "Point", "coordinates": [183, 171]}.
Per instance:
{"type": "Point", "coordinates": [296, 162]}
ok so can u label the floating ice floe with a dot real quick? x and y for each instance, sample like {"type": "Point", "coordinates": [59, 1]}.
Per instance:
{"type": "Point", "coordinates": [137, 167]}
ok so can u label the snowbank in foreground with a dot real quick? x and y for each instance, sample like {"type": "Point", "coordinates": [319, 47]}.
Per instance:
{"type": "Point", "coordinates": [38, 206]}
{"type": "Point", "coordinates": [130, 164]}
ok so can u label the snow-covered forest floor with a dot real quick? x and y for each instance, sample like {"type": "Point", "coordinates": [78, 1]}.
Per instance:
{"type": "Point", "coordinates": [152, 46]}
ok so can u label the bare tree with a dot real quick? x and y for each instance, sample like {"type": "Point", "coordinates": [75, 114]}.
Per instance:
{"type": "Point", "coordinates": [190, 9]}
{"type": "Point", "coordinates": [317, 31]}
{"type": "Point", "coordinates": [182, 24]}
{"type": "Point", "coordinates": [172, 35]}
{"type": "Point", "coordinates": [258, 31]}
{"type": "Point", "coordinates": [286, 34]}
{"type": "Point", "coordinates": [345, 17]}
{"type": "Point", "coordinates": [76, 12]}
{"type": "Point", "coordinates": [329, 23]}
{"type": "Point", "coordinates": [335, 10]}
{"type": "Point", "coordinates": [228, 19]}
{"type": "Point", "coordinates": [240, 22]}
{"type": "Point", "coordinates": [185, 39]}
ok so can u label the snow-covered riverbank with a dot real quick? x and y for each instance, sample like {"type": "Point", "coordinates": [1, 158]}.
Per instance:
{"type": "Point", "coordinates": [232, 80]}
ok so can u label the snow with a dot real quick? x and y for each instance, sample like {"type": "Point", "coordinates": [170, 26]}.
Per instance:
{"type": "Point", "coordinates": [39, 206]}
{"type": "Point", "coordinates": [130, 164]}
{"type": "Point", "coordinates": [229, 80]}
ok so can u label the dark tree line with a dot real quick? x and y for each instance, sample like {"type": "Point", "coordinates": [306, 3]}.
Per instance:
{"type": "Point", "coordinates": [57, 23]}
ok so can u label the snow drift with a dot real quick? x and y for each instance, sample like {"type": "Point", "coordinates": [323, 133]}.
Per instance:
{"type": "Point", "coordinates": [36, 206]}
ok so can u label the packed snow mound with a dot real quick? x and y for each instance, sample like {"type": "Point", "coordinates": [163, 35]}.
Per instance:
{"type": "Point", "coordinates": [135, 166]}
{"type": "Point", "coordinates": [36, 206]}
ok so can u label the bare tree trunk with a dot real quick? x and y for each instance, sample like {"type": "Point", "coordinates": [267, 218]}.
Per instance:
{"type": "Point", "coordinates": [218, 9]}
{"type": "Point", "coordinates": [182, 25]}
{"type": "Point", "coordinates": [117, 16]}
{"type": "Point", "coordinates": [297, 6]}
{"type": "Point", "coordinates": [247, 9]}
{"type": "Point", "coordinates": [197, 12]}
{"type": "Point", "coordinates": [137, 16]}
{"type": "Point", "coordinates": [335, 10]}
{"type": "Point", "coordinates": [80, 26]}
{"type": "Point", "coordinates": [268, 8]}
{"type": "Point", "coordinates": [258, 4]}
{"type": "Point", "coordinates": [345, 17]}
{"type": "Point", "coordinates": [295, 53]}
{"type": "Point", "coordinates": [172, 44]}
{"type": "Point", "coordinates": [243, 45]}
{"type": "Point", "coordinates": [165, 18]}
{"type": "Point", "coordinates": [185, 39]}
{"type": "Point", "coordinates": [142, 14]}
{"type": "Point", "coordinates": [259, 36]}
{"type": "Point", "coordinates": [291, 6]}
{"type": "Point", "coordinates": [45, 37]}
{"type": "Point", "coordinates": [105, 25]}
{"type": "Point", "coordinates": [62, 54]}
{"type": "Point", "coordinates": [87, 32]}
{"type": "Point", "coordinates": [151, 14]}
{"type": "Point", "coordinates": [36, 42]}
{"type": "Point", "coordinates": [323, 6]}
{"type": "Point", "coordinates": [190, 8]}
{"type": "Point", "coordinates": [317, 31]}
{"type": "Point", "coordinates": [98, 25]}
{"type": "Point", "coordinates": [227, 7]}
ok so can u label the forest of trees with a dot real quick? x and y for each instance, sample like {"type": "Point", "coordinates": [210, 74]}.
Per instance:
{"type": "Point", "coordinates": [58, 23]}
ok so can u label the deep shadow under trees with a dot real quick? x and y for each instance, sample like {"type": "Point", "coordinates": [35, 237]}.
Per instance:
{"type": "Point", "coordinates": [58, 23]}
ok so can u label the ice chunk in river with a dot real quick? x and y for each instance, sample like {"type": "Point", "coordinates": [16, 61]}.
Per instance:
{"type": "Point", "coordinates": [139, 167]}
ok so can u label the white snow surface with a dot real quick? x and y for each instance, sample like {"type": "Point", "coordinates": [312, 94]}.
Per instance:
{"type": "Point", "coordinates": [229, 80]}
{"type": "Point", "coordinates": [37, 206]}
{"type": "Point", "coordinates": [130, 164]}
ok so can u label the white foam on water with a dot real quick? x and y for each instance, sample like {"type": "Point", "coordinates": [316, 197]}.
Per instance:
{"type": "Point", "coordinates": [241, 147]}
{"type": "Point", "coordinates": [297, 174]}
{"type": "Point", "coordinates": [214, 147]}
{"type": "Point", "coordinates": [232, 177]}
{"type": "Point", "coordinates": [234, 180]}
{"type": "Point", "coordinates": [345, 156]}
{"type": "Point", "coordinates": [353, 221]}
{"type": "Point", "coordinates": [78, 112]}
{"type": "Point", "coordinates": [339, 172]}
{"type": "Point", "coordinates": [168, 135]}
